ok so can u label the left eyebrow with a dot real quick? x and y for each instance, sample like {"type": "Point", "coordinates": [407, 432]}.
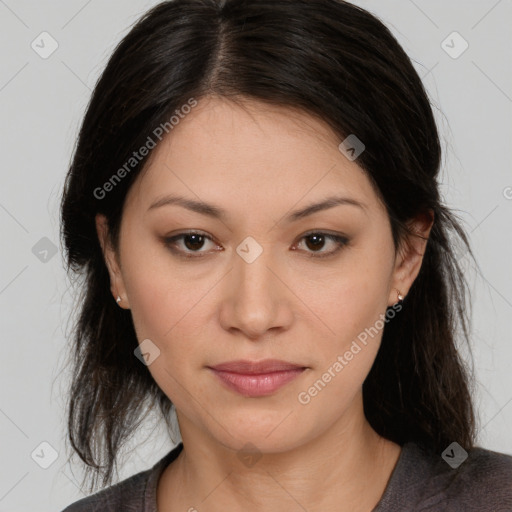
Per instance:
{"type": "Point", "coordinates": [326, 204]}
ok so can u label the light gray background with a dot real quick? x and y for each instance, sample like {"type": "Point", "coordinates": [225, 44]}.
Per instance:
{"type": "Point", "coordinates": [41, 105]}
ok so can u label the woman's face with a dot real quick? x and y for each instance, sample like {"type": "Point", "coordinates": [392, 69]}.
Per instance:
{"type": "Point", "coordinates": [264, 286]}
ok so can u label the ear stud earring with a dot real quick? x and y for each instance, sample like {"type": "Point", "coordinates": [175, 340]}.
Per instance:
{"type": "Point", "coordinates": [400, 296]}
{"type": "Point", "coordinates": [118, 300]}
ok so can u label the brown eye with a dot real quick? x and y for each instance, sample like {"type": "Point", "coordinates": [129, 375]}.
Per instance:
{"type": "Point", "coordinates": [316, 241]}
{"type": "Point", "coordinates": [193, 242]}
{"type": "Point", "coordinates": [188, 244]}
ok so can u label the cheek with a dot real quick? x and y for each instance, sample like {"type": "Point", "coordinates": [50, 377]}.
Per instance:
{"type": "Point", "coordinates": [165, 311]}
{"type": "Point", "coordinates": [345, 302]}
{"type": "Point", "coordinates": [352, 312]}
{"type": "Point", "coordinates": [159, 294]}
{"type": "Point", "coordinates": [171, 314]}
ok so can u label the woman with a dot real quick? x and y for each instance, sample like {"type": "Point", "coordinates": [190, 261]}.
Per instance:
{"type": "Point", "coordinates": [254, 206]}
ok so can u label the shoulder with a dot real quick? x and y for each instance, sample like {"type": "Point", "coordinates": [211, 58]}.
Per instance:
{"type": "Point", "coordinates": [134, 494]}
{"type": "Point", "coordinates": [456, 480]}
{"type": "Point", "coordinates": [483, 480]}
{"type": "Point", "coordinates": [125, 495]}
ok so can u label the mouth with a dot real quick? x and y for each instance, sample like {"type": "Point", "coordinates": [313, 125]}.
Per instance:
{"type": "Point", "coordinates": [256, 378]}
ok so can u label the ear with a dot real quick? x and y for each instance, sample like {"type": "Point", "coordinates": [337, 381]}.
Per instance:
{"type": "Point", "coordinates": [409, 256]}
{"type": "Point", "coordinates": [111, 260]}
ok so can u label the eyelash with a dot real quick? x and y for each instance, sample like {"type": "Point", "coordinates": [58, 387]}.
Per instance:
{"type": "Point", "coordinates": [170, 242]}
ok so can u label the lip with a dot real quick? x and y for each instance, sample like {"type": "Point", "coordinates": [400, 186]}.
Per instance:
{"type": "Point", "coordinates": [256, 378]}
{"type": "Point", "coordinates": [256, 367]}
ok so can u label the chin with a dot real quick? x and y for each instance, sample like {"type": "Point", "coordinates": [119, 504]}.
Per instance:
{"type": "Point", "coordinates": [259, 444]}
{"type": "Point", "coordinates": [261, 438]}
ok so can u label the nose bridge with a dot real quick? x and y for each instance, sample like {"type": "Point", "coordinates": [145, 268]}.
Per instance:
{"type": "Point", "coordinates": [258, 300]}
{"type": "Point", "coordinates": [255, 281]}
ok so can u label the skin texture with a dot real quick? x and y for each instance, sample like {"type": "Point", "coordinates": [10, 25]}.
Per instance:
{"type": "Point", "coordinates": [259, 163]}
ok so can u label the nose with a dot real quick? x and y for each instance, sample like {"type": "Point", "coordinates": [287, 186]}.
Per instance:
{"type": "Point", "coordinates": [256, 298]}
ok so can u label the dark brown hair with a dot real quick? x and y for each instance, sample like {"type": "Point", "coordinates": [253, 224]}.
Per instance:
{"type": "Point", "coordinates": [334, 61]}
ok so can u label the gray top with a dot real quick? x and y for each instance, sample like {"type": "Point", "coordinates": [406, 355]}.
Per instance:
{"type": "Point", "coordinates": [421, 481]}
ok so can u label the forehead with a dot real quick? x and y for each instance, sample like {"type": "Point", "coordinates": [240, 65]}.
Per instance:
{"type": "Point", "coordinates": [249, 153]}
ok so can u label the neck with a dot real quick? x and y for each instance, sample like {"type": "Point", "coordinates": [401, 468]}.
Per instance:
{"type": "Point", "coordinates": [346, 468]}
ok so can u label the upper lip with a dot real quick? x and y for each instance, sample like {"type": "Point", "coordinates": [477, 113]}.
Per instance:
{"type": "Point", "coordinates": [256, 367]}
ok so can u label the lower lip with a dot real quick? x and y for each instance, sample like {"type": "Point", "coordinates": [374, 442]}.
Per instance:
{"type": "Point", "coordinates": [257, 385]}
